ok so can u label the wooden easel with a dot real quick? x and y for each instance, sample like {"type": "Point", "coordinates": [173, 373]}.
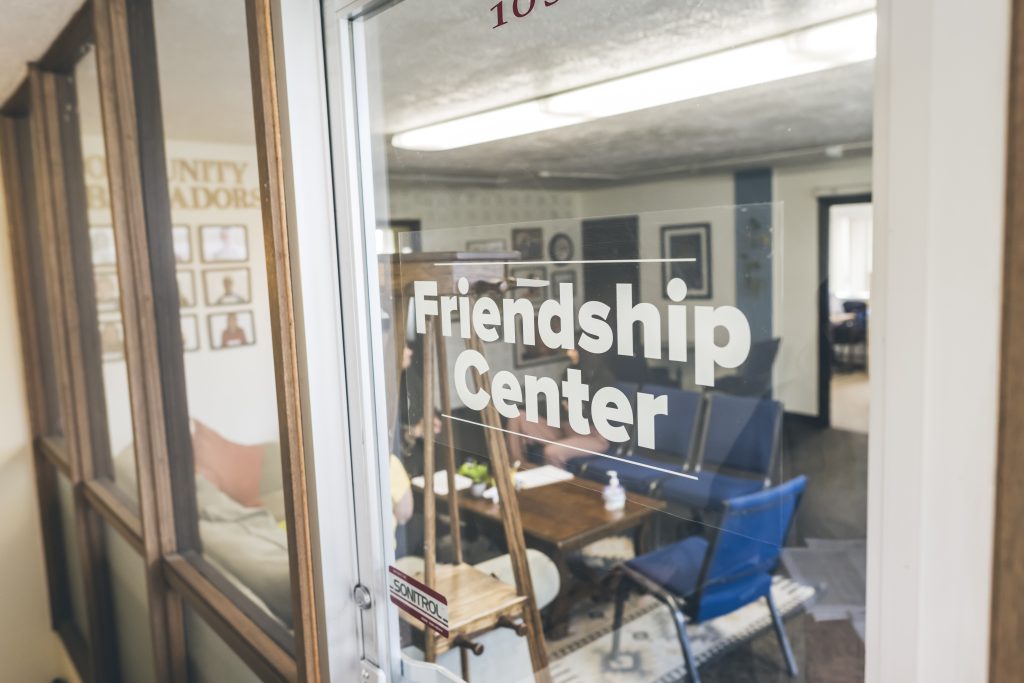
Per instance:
{"type": "Point", "coordinates": [477, 602]}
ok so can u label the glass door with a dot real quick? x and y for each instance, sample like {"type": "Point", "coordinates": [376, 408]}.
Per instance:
{"type": "Point", "coordinates": [588, 306]}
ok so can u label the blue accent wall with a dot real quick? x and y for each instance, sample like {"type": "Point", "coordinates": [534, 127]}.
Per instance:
{"type": "Point", "coordinates": [754, 241]}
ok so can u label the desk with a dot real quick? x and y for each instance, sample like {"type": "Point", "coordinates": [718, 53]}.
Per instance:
{"type": "Point", "coordinates": [560, 519]}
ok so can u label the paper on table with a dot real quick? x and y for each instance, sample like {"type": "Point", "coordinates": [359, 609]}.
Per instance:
{"type": "Point", "coordinates": [541, 476]}
{"type": "Point", "coordinates": [441, 482]}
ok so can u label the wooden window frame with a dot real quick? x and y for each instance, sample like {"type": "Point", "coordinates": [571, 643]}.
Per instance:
{"type": "Point", "coordinates": [165, 530]}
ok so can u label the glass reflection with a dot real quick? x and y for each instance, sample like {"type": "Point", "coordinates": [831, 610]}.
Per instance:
{"type": "Point", "coordinates": [598, 247]}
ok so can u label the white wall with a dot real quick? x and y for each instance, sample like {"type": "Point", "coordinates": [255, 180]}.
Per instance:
{"type": "Point", "coordinates": [940, 123]}
{"type": "Point", "coordinates": [29, 650]}
{"type": "Point", "coordinates": [798, 189]}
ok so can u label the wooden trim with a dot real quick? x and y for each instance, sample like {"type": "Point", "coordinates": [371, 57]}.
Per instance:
{"type": "Point", "coordinates": [111, 504]}
{"type": "Point", "coordinates": [63, 53]}
{"type": "Point", "coordinates": [55, 450]}
{"type": "Point", "coordinates": [53, 545]}
{"type": "Point", "coordinates": [257, 649]}
{"type": "Point", "coordinates": [266, 107]}
{"type": "Point", "coordinates": [140, 211]}
{"type": "Point", "coordinates": [54, 175]}
{"type": "Point", "coordinates": [1006, 655]}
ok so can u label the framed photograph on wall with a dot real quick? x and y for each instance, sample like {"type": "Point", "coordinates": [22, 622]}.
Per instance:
{"type": "Point", "coordinates": [689, 241]}
{"type": "Point", "coordinates": [111, 339]}
{"type": "Point", "coordinates": [101, 239]}
{"type": "Point", "coordinates": [223, 243]}
{"type": "Point", "coordinates": [182, 244]}
{"type": "Point", "coordinates": [529, 242]}
{"type": "Point", "coordinates": [231, 330]}
{"type": "Point", "coordinates": [227, 287]}
{"type": "Point", "coordinates": [537, 293]}
{"type": "Point", "coordinates": [562, 276]}
{"type": "Point", "coordinates": [186, 288]}
{"type": "Point", "coordinates": [495, 246]}
{"type": "Point", "coordinates": [108, 290]}
{"type": "Point", "coordinates": [190, 333]}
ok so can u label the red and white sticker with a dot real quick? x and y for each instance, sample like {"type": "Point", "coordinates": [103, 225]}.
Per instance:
{"type": "Point", "coordinates": [419, 601]}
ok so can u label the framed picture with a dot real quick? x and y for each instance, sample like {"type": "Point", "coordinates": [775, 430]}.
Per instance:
{"type": "Point", "coordinates": [562, 276]}
{"type": "Point", "coordinates": [182, 244]}
{"type": "Point", "coordinates": [111, 339]}
{"type": "Point", "coordinates": [190, 333]}
{"type": "Point", "coordinates": [108, 290]}
{"type": "Point", "coordinates": [186, 288]}
{"type": "Point", "coordinates": [230, 330]}
{"type": "Point", "coordinates": [529, 242]}
{"type": "Point", "coordinates": [224, 243]}
{"type": "Point", "coordinates": [690, 241]}
{"type": "Point", "coordinates": [535, 294]}
{"type": "Point", "coordinates": [399, 237]}
{"type": "Point", "coordinates": [490, 246]}
{"type": "Point", "coordinates": [101, 239]}
{"type": "Point", "coordinates": [227, 287]}
{"type": "Point", "coordinates": [537, 353]}
{"type": "Point", "coordinates": [561, 248]}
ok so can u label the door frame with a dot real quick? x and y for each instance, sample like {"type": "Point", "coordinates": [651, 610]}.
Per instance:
{"type": "Point", "coordinates": [824, 326]}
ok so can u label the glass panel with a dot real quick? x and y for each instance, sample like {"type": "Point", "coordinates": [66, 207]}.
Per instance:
{"type": "Point", "coordinates": [210, 660]}
{"type": "Point", "coordinates": [131, 608]}
{"type": "Point", "coordinates": [617, 214]}
{"type": "Point", "coordinates": [76, 585]}
{"type": "Point", "coordinates": [225, 313]}
{"type": "Point", "coordinates": [106, 287]}
{"type": "Point", "coordinates": [37, 275]}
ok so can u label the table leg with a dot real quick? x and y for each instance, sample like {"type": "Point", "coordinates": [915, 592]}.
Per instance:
{"type": "Point", "coordinates": [558, 614]}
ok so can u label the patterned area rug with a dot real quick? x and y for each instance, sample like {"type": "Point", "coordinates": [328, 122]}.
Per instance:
{"type": "Point", "coordinates": [650, 650]}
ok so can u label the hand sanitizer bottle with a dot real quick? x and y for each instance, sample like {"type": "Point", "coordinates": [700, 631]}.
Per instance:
{"type": "Point", "coordinates": [614, 495]}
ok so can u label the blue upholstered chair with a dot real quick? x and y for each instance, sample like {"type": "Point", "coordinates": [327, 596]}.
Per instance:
{"type": "Point", "coordinates": [579, 464]}
{"type": "Point", "coordinates": [740, 445]}
{"type": "Point", "coordinates": [675, 444]}
{"type": "Point", "coordinates": [700, 578]}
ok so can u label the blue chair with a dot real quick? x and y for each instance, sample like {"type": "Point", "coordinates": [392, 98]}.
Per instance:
{"type": "Point", "coordinates": [701, 579]}
{"type": "Point", "coordinates": [675, 445]}
{"type": "Point", "coordinates": [742, 439]}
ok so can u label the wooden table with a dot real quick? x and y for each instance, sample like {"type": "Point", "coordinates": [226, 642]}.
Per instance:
{"type": "Point", "coordinates": [560, 519]}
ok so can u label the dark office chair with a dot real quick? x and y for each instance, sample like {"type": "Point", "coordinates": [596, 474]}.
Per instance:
{"type": "Point", "coordinates": [675, 445]}
{"type": "Point", "coordinates": [741, 443]}
{"type": "Point", "coordinates": [850, 338]}
{"type": "Point", "coordinates": [701, 579]}
{"type": "Point", "coordinates": [754, 377]}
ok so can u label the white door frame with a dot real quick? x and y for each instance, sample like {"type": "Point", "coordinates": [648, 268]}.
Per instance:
{"type": "Point", "coordinates": [940, 120]}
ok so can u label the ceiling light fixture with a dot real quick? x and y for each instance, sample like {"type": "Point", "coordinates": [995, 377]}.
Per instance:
{"type": "Point", "coordinates": [841, 42]}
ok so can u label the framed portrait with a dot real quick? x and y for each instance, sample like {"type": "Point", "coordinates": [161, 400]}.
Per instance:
{"type": "Point", "coordinates": [182, 244]}
{"type": "Point", "coordinates": [224, 243]}
{"type": "Point", "coordinates": [190, 333]}
{"type": "Point", "coordinates": [489, 246]}
{"type": "Point", "coordinates": [535, 294]}
{"type": "Point", "coordinates": [562, 276]}
{"type": "Point", "coordinates": [561, 248]}
{"type": "Point", "coordinates": [108, 290]}
{"type": "Point", "coordinates": [536, 354]}
{"type": "Point", "coordinates": [690, 241]}
{"type": "Point", "coordinates": [101, 239]}
{"type": "Point", "coordinates": [529, 242]}
{"type": "Point", "coordinates": [111, 339]}
{"type": "Point", "coordinates": [227, 287]}
{"type": "Point", "coordinates": [186, 289]}
{"type": "Point", "coordinates": [399, 236]}
{"type": "Point", "coordinates": [231, 330]}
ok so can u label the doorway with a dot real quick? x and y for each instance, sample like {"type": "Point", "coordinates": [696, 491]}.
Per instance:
{"type": "Point", "coordinates": [845, 245]}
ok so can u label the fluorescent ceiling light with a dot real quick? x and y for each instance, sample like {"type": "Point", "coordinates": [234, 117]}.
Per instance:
{"type": "Point", "coordinates": [825, 46]}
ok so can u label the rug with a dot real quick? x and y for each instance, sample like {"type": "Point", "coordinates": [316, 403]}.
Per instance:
{"type": "Point", "coordinates": [649, 651]}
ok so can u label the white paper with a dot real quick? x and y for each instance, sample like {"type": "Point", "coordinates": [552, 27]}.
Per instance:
{"type": "Point", "coordinates": [441, 482]}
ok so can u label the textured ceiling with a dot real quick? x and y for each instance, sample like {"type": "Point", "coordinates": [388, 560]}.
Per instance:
{"type": "Point", "coordinates": [432, 62]}
{"type": "Point", "coordinates": [27, 28]}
